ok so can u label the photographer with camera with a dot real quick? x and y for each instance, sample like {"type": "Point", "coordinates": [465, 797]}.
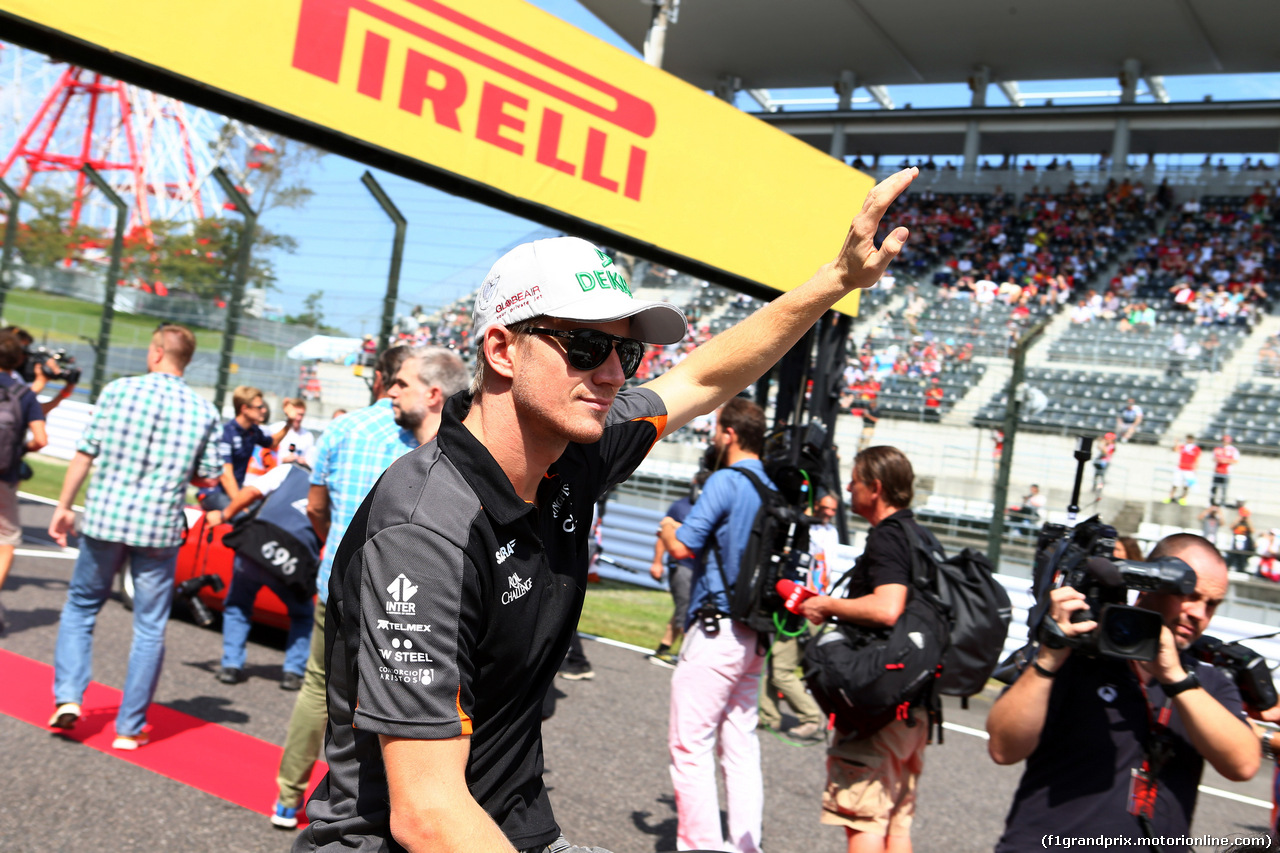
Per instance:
{"type": "Point", "coordinates": [19, 412]}
{"type": "Point", "coordinates": [39, 365]}
{"type": "Point", "coordinates": [1115, 745]}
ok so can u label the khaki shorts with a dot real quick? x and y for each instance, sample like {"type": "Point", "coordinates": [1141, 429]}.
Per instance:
{"type": "Point", "coordinates": [871, 783]}
{"type": "Point", "coordinates": [10, 528]}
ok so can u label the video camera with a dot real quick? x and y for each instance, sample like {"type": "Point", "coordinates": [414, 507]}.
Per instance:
{"type": "Point", "coordinates": [63, 368]}
{"type": "Point", "coordinates": [1082, 557]}
{"type": "Point", "coordinates": [1248, 669]}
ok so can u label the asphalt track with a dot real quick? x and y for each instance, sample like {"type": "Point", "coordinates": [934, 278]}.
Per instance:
{"type": "Point", "coordinates": [605, 751]}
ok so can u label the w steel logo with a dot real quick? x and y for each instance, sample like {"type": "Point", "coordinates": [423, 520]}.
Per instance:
{"type": "Point", "coordinates": [464, 69]}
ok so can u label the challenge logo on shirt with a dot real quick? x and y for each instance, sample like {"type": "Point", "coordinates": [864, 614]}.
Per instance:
{"type": "Point", "coordinates": [518, 587]}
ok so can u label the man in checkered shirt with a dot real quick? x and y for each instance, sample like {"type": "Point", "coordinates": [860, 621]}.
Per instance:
{"type": "Point", "coordinates": [151, 435]}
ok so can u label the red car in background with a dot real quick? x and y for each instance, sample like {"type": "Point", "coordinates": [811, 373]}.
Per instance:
{"type": "Point", "coordinates": [203, 554]}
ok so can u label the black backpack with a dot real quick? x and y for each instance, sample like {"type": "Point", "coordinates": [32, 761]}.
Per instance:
{"type": "Point", "coordinates": [777, 549]}
{"type": "Point", "coordinates": [13, 428]}
{"type": "Point", "coordinates": [278, 537]}
{"type": "Point", "coordinates": [867, 677]}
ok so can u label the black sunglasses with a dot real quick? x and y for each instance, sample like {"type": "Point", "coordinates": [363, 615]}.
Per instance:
{"type": "Point", "coordinates": [587, 348]}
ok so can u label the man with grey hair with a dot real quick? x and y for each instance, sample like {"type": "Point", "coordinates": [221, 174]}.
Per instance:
{"type": "Point", "coordinates": [428, 377]}
{"type": "Point", "coordinates": [460, 581]}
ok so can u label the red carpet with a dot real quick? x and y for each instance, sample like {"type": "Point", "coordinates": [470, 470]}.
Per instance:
{"type": "Point", "coordinates": [220, 761]}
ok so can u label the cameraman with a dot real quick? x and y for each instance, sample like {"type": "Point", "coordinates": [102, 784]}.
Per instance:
{"type": "Point", "coordinates": [37, 374]}
{"type": "Point", "coordinates": [1107, 721]}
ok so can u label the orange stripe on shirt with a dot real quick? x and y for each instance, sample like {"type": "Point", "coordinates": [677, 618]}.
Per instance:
{"type": "Point", "coordinates": [659, 423]}
{"type": "Point", "coordinates": [462, 715]}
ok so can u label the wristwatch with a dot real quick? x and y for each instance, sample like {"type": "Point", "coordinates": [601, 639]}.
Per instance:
{"type": "Point", "coordinates": [1191, 682]}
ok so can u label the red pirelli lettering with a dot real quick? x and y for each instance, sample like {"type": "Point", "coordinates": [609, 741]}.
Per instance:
{"type": "Point", "coordinates": [446, 99]}
{"type": "Point", "coordinates": [322, 29]}
{"type": "Point", "coordinates": [494, 101]}
{"type": "Point", "coordinates": [373, 65]}
{"type": "Point", "coordinates": [549, 142]}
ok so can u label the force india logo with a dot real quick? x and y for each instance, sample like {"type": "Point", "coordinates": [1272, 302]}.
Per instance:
{"type": "Point", "coordinates": [511, 95]}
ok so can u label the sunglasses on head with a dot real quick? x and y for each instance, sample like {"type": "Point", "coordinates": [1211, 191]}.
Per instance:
{"type": "Point", "coordinates": [588, 349]}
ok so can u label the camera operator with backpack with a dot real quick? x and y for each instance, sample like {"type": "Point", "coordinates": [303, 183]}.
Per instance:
{"type": "Point", "coordinates": [871, 779]}
{"type": "Point", "coordinates": [19, 411]}
{"type": "Point", "coordinates": [1113, 746]}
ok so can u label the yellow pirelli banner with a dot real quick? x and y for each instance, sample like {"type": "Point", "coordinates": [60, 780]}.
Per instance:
{"type": "Point", "coordinates": [499, 95]}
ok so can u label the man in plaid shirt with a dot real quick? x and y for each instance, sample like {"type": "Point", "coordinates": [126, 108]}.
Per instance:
{"type": "Point", "coordinates": [151, 436]}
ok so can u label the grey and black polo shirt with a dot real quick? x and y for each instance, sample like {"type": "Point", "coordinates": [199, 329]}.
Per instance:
{"type": "Point", "coordinates": [451, 606]}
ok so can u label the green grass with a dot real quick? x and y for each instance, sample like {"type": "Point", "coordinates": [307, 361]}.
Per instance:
{"type": "Point", "coordinates": [61, 320]}
{"type": "Point", "coordinates": [47, 482]}
{"type": "Point", "coordinates": [626, 613]}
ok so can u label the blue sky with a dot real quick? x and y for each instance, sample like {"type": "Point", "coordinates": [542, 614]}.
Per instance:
{"type": "Point", "coordinates": [345, 238]}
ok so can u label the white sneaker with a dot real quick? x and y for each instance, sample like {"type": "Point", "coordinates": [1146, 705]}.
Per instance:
{"type": "Point", "coordinates": [130, 742]}
{"type": "Point", "coordinates": [65, 716]}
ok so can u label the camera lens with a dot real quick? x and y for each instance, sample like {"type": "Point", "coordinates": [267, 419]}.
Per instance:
{"type": "Point", "coordinates": [1123, 632]}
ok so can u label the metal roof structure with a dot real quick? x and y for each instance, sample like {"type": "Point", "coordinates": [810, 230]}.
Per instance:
{"type": "Point", "coordinates": [808, 43]}
{"type": "Point", "coordinates": [1178, 128]}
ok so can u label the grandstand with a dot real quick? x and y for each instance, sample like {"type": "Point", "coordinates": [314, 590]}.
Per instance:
{"type": "Point", "coordinates": [1088, 403]}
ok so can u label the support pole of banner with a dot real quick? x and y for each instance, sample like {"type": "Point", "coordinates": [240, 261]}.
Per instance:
{"type": "Point", "coordinates": [103, 345]}
{"type": "Point", "coordinates": [1000, 496]}
{"type": "Point", "coordinates": [10, 240]}
{"type": "Point", "coordinates": [393, 276]}
{"type": "Point", "coordinates": [235, 305]}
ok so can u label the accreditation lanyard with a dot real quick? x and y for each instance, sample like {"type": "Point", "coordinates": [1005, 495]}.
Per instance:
{"type": "Point", "coordinates": [1156, 751]}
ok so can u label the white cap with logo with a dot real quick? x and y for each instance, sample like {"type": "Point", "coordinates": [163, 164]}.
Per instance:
{"type": "Point", "coordinates": [570, 279]}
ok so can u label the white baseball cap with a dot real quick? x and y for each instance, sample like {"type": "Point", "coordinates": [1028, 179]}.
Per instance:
{"type": "Point", "coordinates": [570, 279]}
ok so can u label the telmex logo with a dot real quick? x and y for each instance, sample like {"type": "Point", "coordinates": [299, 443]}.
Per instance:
{"type": "Point", "coordinates": [504, 118]}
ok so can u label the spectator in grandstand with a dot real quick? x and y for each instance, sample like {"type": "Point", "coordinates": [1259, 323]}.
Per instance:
{"type": "Point", "coordinates": [933, 396]}
{"type": "Point", "coordinates": [1128, 421]}
{"type": "Point", "coordinates": [1102, 462]}
{"type": "Point", "coordinates": [1210, 522]}
{"type": "Point", "coordinates": [1224, 456]}
{"type": "Point", "coordinates": [1184, 476]}
{"type": "Point", "coordinates": [133, 515]}
{"type": "Point", "coordinates": [1064, 706]}
{"type": "Point", "coordinates": [1241, 540]}
{"type": "Point", "coordinates": [1268, 548]}
{"type": "Point", "coordinates": [24, 414]}
{"type": "Point", "coordinates": [870, 417]}
{"type": "Point", "coordinates": [679, 574]}
{"type": "Point", "coordinates": [240, 436]}
{"type": "Point", "coordinates": [1269, 358]}
{"type": "Point", "coordinates": [1028, 515]}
